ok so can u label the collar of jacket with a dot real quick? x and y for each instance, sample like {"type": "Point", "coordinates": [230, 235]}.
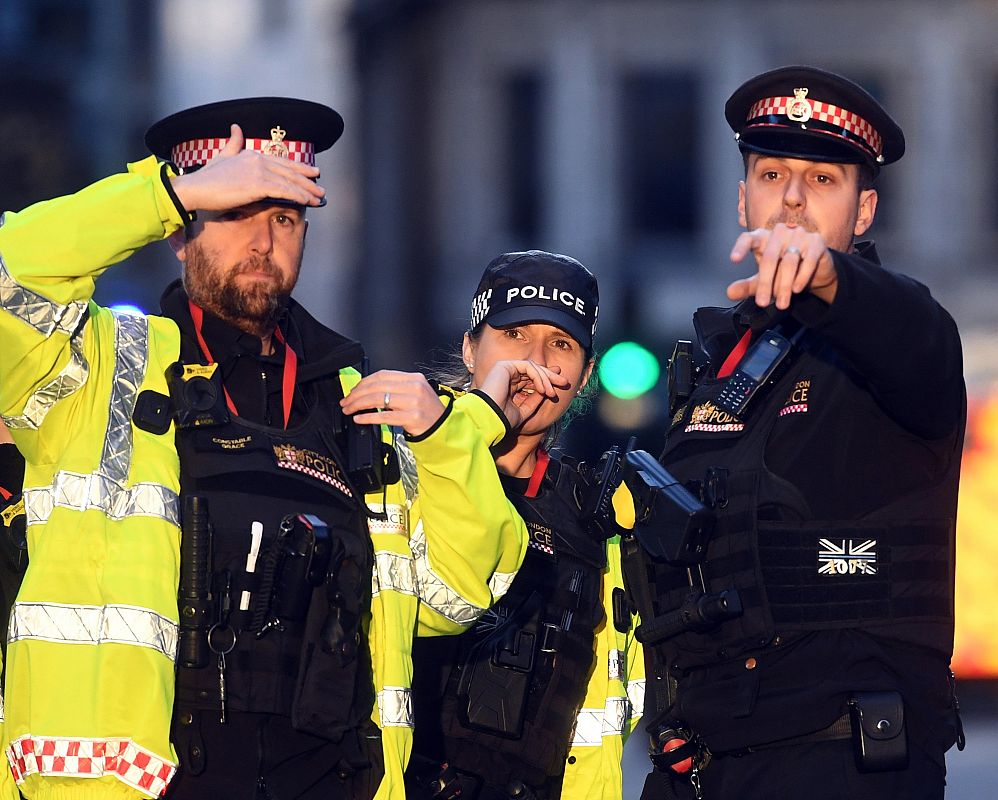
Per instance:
{"type": "Point", "coordinates": [719, 329]}
{"type": "Point", "coordinates": [321, 352]}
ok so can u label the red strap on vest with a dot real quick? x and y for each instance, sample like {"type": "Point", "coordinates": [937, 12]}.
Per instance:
{"type": "Point", "coordinates": [534, 486]}
{"type": "Point", "coordinates": [735, 355]}
{"type": "Point", "coordinates": [290, 363]}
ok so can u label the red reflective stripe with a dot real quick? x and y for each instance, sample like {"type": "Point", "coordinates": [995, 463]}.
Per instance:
{"type": "Point", "coordinates": [735, 355]}
{"type": "Point", "coordinates": [290, 374]}
{"type": "Point", "coordinates": [534, 486]}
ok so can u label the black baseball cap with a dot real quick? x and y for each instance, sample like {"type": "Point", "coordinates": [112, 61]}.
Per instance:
{"type": "Point", "coordinates": [810, 113]}
{"type": "Point", "coordinates": [280, 126]}
{"type": "Point", "coordinates": [535, 286]}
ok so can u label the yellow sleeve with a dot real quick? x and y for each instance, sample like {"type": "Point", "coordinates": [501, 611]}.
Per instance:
{"type": "Point", "coordinates": [50, 255]}
{"type": "Point", "coordinates": [468, 540]}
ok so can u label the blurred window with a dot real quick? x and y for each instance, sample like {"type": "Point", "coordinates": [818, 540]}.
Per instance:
{"type": "Point", "coordinates": [662, 153]}
{"type": "Point", "coordinates": [522, 169]}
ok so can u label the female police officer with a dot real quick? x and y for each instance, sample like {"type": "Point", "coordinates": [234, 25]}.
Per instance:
{"type": "Point", "coordinates": [533, 702]}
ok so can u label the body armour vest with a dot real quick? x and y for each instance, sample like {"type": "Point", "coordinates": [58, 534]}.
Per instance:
{"type": "Point", "coordinates": [513, 685]}
{"type": "Point", "coordinates": [889, 571]}
{"type": "Point", "coordinates": [283, 630]}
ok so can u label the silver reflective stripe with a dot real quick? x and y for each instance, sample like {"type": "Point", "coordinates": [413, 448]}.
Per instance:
{"type": "Point", "coordinates": [1, 708]}
{"type": "Point", "coordinates": [636, 697]}
{"type": "Point", "coordinates": [434, 591]}
{"type": "Point", "coordinates": [105, 489]}
{"type": "Point", "coordinates": [85, 624]}
{"type": "Point", "coordinates": [616, 667]}
{"type": "Point", "coordinates": [500, 582]}
{"type": "Point", "coordinates": [395, 707]}
{"type": "Point", "coordinates": [592, 724]}
{"type": "Point", "coordinates": [42, 314]}
{"type": "Point", "coordinates": [407, 465]}
{"type": "Point", "coordinates": [131, 350]}
{"type": "Point", "coordinates": [588, 728]}
{"type": "Point", "coordinates": [393, 571]}
{"type": "Point", "coordinates": [70, 378]}
{"type": "Point", "coordinates": [96, 491]}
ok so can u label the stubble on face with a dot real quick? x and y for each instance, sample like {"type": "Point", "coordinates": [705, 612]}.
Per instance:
{"type": "Point", "coordinates": [254, 306]}
{"type": "Point", "coordinates": [837, 234]}
{"type": "Point", "coordinates": [838, 215]}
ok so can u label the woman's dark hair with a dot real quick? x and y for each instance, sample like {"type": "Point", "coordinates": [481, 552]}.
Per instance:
{"type": "Point", "coordinates": [451, 370]}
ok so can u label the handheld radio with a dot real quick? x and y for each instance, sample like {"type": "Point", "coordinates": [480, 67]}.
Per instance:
{"type": "Point", "coordinates": [755, 369]}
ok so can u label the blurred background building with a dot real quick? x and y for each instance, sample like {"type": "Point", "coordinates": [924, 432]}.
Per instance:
{"type": "Point", "coordinates": [590, 127]}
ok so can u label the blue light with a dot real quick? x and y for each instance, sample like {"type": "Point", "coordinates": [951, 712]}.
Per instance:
{"type": "Point", "coordinates": [127, 308]}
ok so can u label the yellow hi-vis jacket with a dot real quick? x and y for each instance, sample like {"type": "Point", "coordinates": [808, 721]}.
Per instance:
{"type": "Point", "coordinates": [615, 696]}
{"type": "Point", "coordinates": [90, 672]}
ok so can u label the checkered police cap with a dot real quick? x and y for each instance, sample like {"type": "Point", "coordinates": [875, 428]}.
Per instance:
{"type": "Point", "coordinates": [538, 287]}
{"type": "Point", "coordinates": [809, 113]}
{"type": "Point", "coordinates": [279, 126]}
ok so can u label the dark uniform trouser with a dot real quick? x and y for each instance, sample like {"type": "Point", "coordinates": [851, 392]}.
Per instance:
{"type": "Point", "coordinates": [812, 771]}
{"type": "Point", "coordinates": [229, 760]}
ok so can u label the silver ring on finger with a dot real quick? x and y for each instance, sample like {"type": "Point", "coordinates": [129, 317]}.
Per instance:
{"type": "Point", "coordinates": [792, 250]}
{"type": "Point", "coordinates": [388, 399]}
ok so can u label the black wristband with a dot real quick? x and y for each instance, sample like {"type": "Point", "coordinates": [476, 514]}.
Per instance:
{"type": "Point", "coordinates": [499, 412]}
{"type": "Point", "coordinates": [187, 216]}
{"type": "Point", "coordinates": [429, 431]}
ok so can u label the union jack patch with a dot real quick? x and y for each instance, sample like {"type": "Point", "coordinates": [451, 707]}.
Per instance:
{"type": "Point", "coordinates": [847, 557]}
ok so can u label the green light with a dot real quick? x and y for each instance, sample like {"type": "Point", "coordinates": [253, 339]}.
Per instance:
{"type": "Point", "coordinates": [628, 370]}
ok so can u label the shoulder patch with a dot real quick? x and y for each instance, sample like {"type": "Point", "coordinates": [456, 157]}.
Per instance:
{"type": "Point", "coordinates": [798, 399]}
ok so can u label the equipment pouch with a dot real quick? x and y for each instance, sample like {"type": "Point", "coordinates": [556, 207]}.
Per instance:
{"type": "Point", "coordinates": [498, 667]}
{"type": "Point", "coordinates": [878, 731]}
{"type": "Point", "coordinates": [333, 689]}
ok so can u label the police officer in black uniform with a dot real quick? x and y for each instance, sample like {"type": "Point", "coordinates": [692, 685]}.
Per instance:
{"type": "Point", "coordinates": [823, 427]}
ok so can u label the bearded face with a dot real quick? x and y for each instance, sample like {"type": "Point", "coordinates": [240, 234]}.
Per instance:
{"type": "Point", "coordinates": [242, 266]}
{"type": "Point", "coordinates": [252, 295]}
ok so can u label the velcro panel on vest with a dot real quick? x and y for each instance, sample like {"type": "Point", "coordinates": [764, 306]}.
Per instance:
{"type": "Point", "coordinates": [825, 576]}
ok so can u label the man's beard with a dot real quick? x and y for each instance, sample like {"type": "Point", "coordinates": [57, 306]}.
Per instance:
{"type": "Point", "coordinates": [255, 307]}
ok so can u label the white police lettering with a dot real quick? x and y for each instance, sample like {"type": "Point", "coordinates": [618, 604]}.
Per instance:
{"type": "Point", "coordinates": [544, 293]}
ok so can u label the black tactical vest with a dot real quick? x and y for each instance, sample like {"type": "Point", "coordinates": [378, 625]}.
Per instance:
{"type": "Point", "coordinates": [889, 572]}
{"type": "Point", "coordinates": [277, 663]}
{"type": "Point", "coordinates": [513, 685]}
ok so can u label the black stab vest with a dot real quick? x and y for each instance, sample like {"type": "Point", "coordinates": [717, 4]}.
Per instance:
{"type": "Point", "coordinates": [561, 573]}
{"type": "Point", "coordinates": [889, 572]}
{"type": "Point", "coordinates": [249, 472]}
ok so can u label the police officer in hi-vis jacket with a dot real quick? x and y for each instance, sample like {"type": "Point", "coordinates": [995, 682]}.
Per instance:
{"type": "Point", "coordinates": [273, 634]}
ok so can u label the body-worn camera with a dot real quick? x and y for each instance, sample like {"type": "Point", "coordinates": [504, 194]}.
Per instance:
{"type": "Point", "coordinates": [197, 395]}
{"type": "Point", "coordinates": [371, 463]}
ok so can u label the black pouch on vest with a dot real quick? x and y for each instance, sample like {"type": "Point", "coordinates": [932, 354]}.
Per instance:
{"type": "Point", "coordinates": [878, 731]}
{"type": "Point", "coordinates": [333, 689]}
